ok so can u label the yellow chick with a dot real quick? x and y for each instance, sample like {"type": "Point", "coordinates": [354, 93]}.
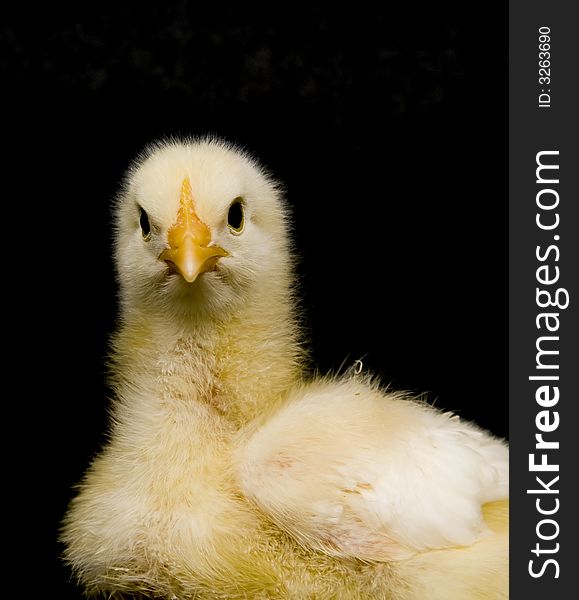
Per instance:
{"type": "Point", "coordinates": [226, 474]}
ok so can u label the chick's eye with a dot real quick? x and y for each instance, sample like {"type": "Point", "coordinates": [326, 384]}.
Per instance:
{"type": "Point", "coordinates": [235, 216]}
{"type": "Point", "coordinates": [145, 224]}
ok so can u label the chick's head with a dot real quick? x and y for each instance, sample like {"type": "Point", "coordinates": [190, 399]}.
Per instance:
{"type": "Point", "coordinates": [199, 228]}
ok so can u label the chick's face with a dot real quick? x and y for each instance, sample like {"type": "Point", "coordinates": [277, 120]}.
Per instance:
{"type": "Point", "coordinates": [199, 227]}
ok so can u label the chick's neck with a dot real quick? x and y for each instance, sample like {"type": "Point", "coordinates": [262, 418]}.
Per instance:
{"type": "Point", "coordinates": [232, 368]}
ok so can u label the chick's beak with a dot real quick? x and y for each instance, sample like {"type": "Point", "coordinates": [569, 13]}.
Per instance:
{"type": "Point", "coordinates": [189, 252]}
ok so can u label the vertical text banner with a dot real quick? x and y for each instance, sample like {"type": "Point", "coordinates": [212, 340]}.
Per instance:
{"type": "Point", "coordinates": [544, 297]}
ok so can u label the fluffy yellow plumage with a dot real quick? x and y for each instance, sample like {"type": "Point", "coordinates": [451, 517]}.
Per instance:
{"type": "Point", "coordinates": [228, 476]}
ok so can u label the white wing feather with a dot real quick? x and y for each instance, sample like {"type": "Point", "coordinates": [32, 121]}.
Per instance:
{"type": "Point", "coordinates": [353, 471]}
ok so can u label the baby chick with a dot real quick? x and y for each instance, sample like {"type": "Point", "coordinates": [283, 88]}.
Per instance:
{"type": "Point", "coordinates": [226, 474]}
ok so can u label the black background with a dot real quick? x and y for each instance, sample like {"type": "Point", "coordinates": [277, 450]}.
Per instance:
{"type": "Point", "coordinates": [388, 128]}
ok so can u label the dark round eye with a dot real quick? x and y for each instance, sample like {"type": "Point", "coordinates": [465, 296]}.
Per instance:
{"type": "Point", "coordinates": [145, 224]}
{"type": "Point", "coordinates": [235, 215]}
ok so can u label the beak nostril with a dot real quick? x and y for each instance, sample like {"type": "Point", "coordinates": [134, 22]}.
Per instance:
{"type": "Point", "coordinates": [188, 224]}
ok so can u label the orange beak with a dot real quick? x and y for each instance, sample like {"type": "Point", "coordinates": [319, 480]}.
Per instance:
{"type": "Point", "coordinates": [189, 252]}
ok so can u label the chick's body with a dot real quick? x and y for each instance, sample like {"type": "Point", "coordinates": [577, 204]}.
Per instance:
{"type": "Point", "coordinates": [226, 476]}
